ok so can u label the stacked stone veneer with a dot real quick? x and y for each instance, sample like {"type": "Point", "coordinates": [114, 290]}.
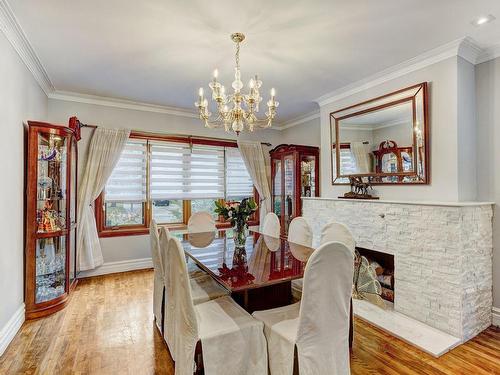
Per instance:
{"type": "Point", "coordinates": [442, 256]}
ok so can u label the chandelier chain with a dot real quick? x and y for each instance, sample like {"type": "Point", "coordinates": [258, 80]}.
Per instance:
{"type": "Point", "coordinates": [238, 55]}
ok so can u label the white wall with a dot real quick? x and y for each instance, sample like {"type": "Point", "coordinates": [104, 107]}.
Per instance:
{"type": "Point", "coordinates": [467, 129]}
{"type": "Point", "coordinates": [488, 152]}
{"type": "Point", "coordinates": [307, 133]}
{"type": "Point", "coordinates": [442, 78]}
{"type": "Point", "coordinates": [20, 99]}
{"type": "Point", "coordinates": [117, 249]}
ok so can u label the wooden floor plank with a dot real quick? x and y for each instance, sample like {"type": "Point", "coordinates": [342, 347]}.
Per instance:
{"type": "Point", "coordinates": [108, 328]}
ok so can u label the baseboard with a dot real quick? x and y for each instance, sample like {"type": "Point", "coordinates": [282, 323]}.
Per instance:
{"type": "Point", "coordinates": [495, 312]}
{"type": "Point", "coordinates": [8, 332]}
{"type": "Point", "coordinates": [120, 266]}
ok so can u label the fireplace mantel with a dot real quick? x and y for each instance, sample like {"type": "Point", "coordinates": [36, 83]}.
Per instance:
{"type": "Point", "coordinates": [414, 203]}
{"type": "Point", "coordinates": [442, 254]}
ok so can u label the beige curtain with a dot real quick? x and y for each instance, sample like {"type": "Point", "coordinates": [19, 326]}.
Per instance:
{"type": "Point", "coordinates": [253, 155]}
{"type": "Point", "coordinates": [105, 149]}
{"type": "Point", "coordinates": [361, 156]}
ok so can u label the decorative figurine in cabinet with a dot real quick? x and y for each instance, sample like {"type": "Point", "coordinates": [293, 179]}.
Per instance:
{"type": "Point", "coordinates": [50, 254]}
{"type": "Point", "coordinates": [295, 174]}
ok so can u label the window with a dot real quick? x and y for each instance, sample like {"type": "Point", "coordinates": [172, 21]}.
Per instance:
{"type": "Point", "coordinates": [125, 190]}
{"type": "Point", "coordinates": [168, 180]}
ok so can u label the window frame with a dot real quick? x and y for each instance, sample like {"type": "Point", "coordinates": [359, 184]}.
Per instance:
{"type": "Point", "coordinates": [142, 229]}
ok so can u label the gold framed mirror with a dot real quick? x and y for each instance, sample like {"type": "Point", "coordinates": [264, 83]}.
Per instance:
{"type": "Point", "coordinates": [384, 140]}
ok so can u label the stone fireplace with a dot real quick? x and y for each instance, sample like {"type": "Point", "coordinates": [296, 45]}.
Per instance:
{"type": "Point", "coordinates": [442, 258]}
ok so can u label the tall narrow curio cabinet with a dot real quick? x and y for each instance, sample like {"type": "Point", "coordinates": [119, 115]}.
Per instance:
{"type": "Point", "coordinates": [50, 254]}
{"type": "Point", "coordinates": [295, 174]}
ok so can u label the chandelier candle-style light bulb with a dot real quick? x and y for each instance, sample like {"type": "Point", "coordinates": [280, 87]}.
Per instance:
{"type": "Point", "coordinates": [237, 111]}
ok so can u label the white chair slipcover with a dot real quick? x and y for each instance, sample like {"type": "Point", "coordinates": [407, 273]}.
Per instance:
{"type": "Point", "coordinates": [203, 287]}
{"type": "Point", "coordinates": [271, 226]}
{"type": "Point", "coordinates": [300, 237]}
{"type": "Point", "coordinates": [201, 222]}
{"type": "Point", "coordinates": [232, 341]}
{"type": "Point", "coordinates": [318, 325]}
{"type": "Point", "coordinates": [339, 232]}
{"type": "Point", "coordinates": [299, 232]}
{"type": "Point", "coordinates": [158, 281]}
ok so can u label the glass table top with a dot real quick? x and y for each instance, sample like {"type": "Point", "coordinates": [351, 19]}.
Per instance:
{"type": "Point", "coordinates": [264, 261]}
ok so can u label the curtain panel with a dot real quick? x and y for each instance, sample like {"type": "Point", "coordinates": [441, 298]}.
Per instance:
{"type": "Point", "coordinates": [253, 155]}
{"type": "Point", "coordinates": [105, 149]}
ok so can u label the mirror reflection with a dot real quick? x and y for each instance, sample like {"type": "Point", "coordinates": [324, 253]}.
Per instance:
{"type": "Point", "coordinates": [382, 139]}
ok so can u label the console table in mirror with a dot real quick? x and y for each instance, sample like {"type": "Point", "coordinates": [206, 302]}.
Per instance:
{"type": "Point", "coordinates": [384, 140]}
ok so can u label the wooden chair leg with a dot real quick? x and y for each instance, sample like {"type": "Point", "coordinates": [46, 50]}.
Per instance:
{"type": "Point", "coordinates": [198, 359]}
{"type": "Point", "coordinates": [351, 327]}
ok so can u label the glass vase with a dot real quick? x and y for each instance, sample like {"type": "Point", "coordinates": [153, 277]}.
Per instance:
{"type": "Point", "coordinates": [240, 233]}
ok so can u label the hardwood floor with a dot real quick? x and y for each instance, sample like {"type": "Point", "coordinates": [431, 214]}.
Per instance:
{"type": "Point", "coordinates": [108, 329]}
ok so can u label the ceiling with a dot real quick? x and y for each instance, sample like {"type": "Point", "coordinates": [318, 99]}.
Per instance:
{"type": "Point", "coordinates": [160, 52]}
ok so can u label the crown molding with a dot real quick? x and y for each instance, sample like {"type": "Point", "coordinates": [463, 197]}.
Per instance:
{"type": "Point", "coordinates": [16, 36]}
{"type": "Point", "coordinates": [299, 120]}
{"type": "Point", "coordinates": [489, 54]}
{"type": "Point", "coordinates": [120, 103]}
{"type": "Point", "coordinates": [466, 48]}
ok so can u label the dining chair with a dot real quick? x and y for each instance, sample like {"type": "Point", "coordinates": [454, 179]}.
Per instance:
{"type": "Point", "coordinates": [201, 222]}
{"type": "Point", "coordinates": [300, 238]}
{"type": "Point", "coordinates": [314, 331]}
{"type": "Point", "coordinates": [232, 341]}
{"type": "Point", "coordinates": [158, 281]}
{"type": "Point", "coordinates": [334, 231]}
{"type": "Point", "coordinates": [271, 226]}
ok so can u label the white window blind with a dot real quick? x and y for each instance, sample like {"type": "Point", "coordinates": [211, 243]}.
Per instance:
{"type": "Point", "coordinates": [347, 162]}
{"type": "Point", "coordinates": [238, 182]}
{"type": "Point", "coordinates": [179, 171]}
{"type": "Point", "coordinates": [127, 183]}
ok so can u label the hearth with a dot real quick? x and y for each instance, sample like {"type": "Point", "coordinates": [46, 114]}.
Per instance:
{"type": "Point", "coordinates": [383, 265]}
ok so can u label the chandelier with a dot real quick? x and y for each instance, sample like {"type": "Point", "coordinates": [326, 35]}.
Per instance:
{"type": "Point", "coordinates": [236, 111]}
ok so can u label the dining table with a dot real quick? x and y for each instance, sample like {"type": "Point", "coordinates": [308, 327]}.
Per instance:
{"type": "Point", "coordinates": [258, 276]}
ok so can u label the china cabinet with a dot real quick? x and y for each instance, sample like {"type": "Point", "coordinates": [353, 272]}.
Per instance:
{"type": "Point", "coordinates": [295, 174]}
{"type": "Point", "coordinates": [50, 254]}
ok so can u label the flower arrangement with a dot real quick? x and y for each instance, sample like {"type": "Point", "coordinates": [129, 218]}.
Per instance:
{"type": "Point", "coordinates": [238, 214]}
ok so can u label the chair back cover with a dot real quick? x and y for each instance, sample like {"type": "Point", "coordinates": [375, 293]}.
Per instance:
{"type": "Point", "coordinates": [201, 222]}
{"type": "Point", "coordinates": [154, 238]}
{"type": "Point", "coordinates": [338, 232]}
{"type": "Point", "coordinates": [158, 282]}
{"type": "Point", "coordinates": [323, 328]}
{"type": "Point", "coordinates": [299, 232]}
{"type": "Point", "coordinates": [167, 319]}
{"type": "Point", "coordinates": [271, 226]}
{"type": "Point", "coordinates": [184, 333]}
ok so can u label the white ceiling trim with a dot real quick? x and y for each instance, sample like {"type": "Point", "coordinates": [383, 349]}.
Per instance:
{"type": "Point", "coordinates": [464, 47]}
{"type": "Point", "coordinates": [489, 54]}
{"type": "Point", "coordinates": [299, 120]}
{"type": "Point", "coordinates": [16, 36]}
{"type": "Point", "coordinates": [120, 103]}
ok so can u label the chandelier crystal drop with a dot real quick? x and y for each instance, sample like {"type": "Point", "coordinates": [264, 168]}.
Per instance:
{"type": "Point", "coordinates": [237, 111]}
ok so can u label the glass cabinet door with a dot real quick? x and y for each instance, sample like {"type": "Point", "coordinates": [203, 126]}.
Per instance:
{"type": "Point", "coordinates": [51, 211]}
{"type": "Point", "coordinates": [307, 176]}
{"type": "Point", "coordinates": [289, 191]}
{"type": "Point", "coordinates": [51, 183]}
{"type": "Point", "coordinates": [277, 193]}
{"type": "Point", "coordinates": [50, 268]}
